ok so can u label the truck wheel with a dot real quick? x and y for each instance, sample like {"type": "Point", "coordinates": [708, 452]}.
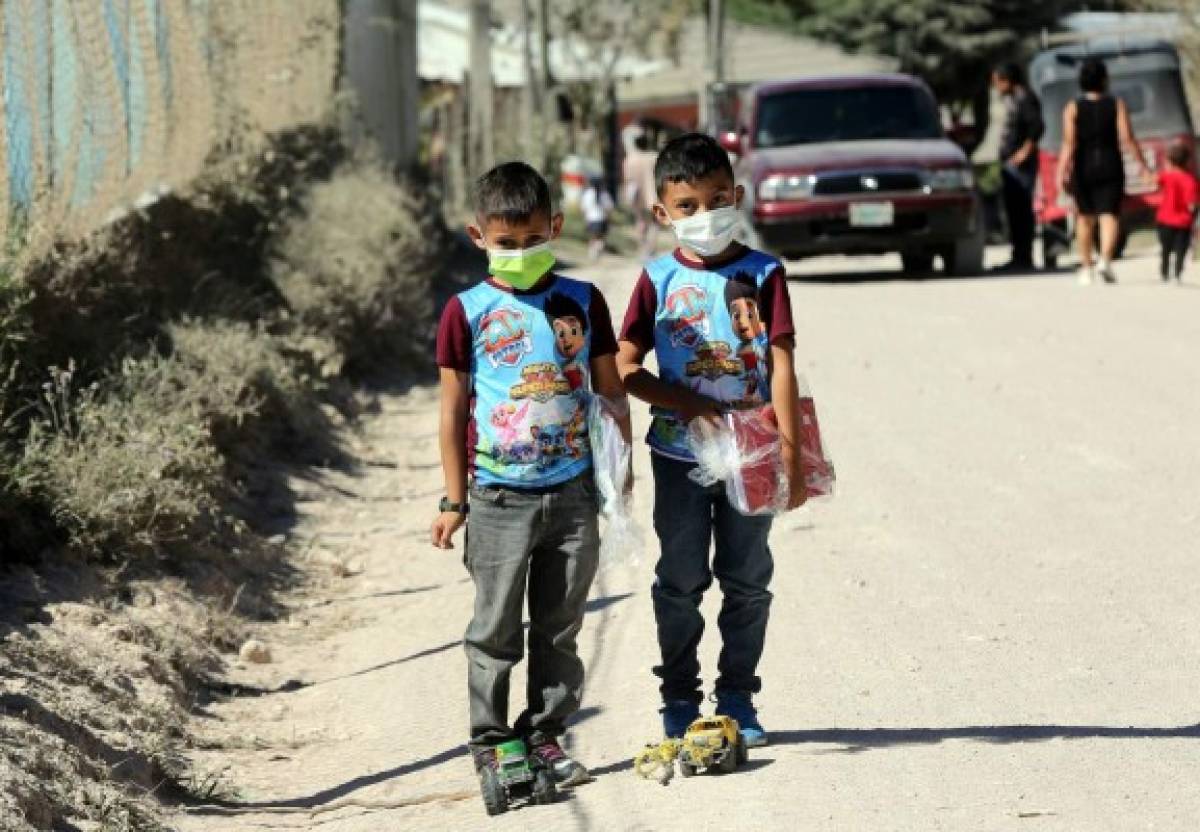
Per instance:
{"type": "Point", "coordinates": [743, 753]}
{"type": "Point", "coordinates": [917, 264]}
{"type": "Point", "coordinates": [686, 769]}
{"type": "Point", "coordinates": [495, 798]}
{"type": "Point", "coordinates": [964, 257]}
{"type": "Point", "coordinates": [544, 790]}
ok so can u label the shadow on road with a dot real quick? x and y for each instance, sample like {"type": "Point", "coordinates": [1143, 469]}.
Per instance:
{"type": "Point", "coordinates": [855, 740]}
{"type": "Point", "coordinates": [233, 689]}
{"type": "Point", "coordinates": [333, 793]}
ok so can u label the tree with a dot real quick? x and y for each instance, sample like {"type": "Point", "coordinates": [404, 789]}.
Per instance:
{"type": "Point", "coordinates": [952, 44]}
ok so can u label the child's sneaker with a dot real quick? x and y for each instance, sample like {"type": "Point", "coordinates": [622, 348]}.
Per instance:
{"type": "Point", "coordinates": [567, 772]}
{"type": "Point", "coordinates": [678, 715]}
{"type": "Point", "coordinates": [1085, 275]}
{"type": "Point", "coordinates": [738, 705]}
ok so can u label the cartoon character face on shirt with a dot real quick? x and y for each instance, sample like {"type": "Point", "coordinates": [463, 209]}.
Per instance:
{"type": "Point", "coordinates": [570, 324]}
{"type": "Point", "coordinates": [551, 442]}
{"type": "Point", "coordinates": [741, 297]}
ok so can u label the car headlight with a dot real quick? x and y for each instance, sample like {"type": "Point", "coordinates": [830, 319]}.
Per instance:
{"type": "Point", "coordinates": [951, 179]}
{"type": "Point", "coordinates": [779, 186]}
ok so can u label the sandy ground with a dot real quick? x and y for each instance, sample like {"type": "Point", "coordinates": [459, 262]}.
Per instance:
{"type": "Point", "coordinates": [990, 628]}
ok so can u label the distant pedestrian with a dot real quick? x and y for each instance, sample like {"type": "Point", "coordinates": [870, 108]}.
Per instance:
{"type": "Point", "coordinates": [1096, 127]}
{"type": "Point", "coordinates": [1177, 211]}
{"type": "Point", "coordinates": [641, 193]}
{"type": "Point", "coordinates": [597, 205]}
{"type": "Point", "coordinates": [1022, 130]}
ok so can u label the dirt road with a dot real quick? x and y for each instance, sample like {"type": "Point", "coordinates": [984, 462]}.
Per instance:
{"type": "Point", "coordinates": [994, 626]}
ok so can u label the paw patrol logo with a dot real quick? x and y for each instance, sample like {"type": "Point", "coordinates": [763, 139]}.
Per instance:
{"type": "Point", "coordinates": [714, 360]}
{"type": "Point", "coordinates": [504, 336]}
{"type": "Point", "coordinates": [540, 382]}
{"type": "Point", "coordinates": [687, 308]}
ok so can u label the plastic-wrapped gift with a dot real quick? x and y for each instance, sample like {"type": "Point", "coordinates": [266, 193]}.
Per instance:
{"type": "Point", "coordinates": [743, 451]}
{"type": "Point", "coordinates": [622, 539]}
{"type": "Point", "coordinates": [819, 476]}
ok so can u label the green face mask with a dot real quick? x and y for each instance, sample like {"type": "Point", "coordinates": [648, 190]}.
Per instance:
{"type": "Point", "coordinates": [521, 268]}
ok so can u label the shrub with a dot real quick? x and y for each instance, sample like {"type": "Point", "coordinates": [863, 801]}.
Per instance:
{"type": "Point", "coordinates": [359, 266]}
{"type": "Point", "coordinates": [130, 464]}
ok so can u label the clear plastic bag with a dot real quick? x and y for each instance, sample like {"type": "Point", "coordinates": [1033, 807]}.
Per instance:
{"type": "Point", "coordinates": [819, 475]}
{"type": "Point", "coordinates": [622, 539]}
{"type": "Point", "coordinates": [744, 452]}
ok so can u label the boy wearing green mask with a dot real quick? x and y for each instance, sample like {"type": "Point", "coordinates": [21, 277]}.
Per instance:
{"type": "Point", "coordinates": [693, 308]}
{"type": "Point", "coordinates": [510, 395]}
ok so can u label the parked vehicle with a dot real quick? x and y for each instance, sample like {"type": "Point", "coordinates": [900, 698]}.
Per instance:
{"type": "Point", "coordinates": [856, 164]}
{"type": "Point", "coordinates": [1146, 74]}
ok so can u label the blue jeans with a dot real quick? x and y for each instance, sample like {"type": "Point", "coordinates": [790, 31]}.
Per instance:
{"type": "Point", "coordinates": [687, 519]}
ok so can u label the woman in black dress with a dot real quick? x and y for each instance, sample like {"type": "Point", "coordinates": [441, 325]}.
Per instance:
{"type": "Point", "coordinates": [1095, 128]}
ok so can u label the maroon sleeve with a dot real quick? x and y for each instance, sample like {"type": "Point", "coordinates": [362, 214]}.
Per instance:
{"type": "Point", "coordinates": [604, 340]}
{"type": "Point", "coordinates": [454, 338]}
{"type": "Point", "coordinates": [777, 306]}
{"type": "Point", "coordinates": [639, 318]}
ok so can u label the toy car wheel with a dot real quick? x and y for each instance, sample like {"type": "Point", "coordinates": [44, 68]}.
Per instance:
{"type": "Point", "coordinates": [729, 762]}
{"type": "Point", "coordinates": [495, 798]}
{"type": "Point", "coordinates": [544, 790]}
{"type": "Point", "coordinates": [740, 749]}
{"type": "Point", "coordinates": [686, 769]}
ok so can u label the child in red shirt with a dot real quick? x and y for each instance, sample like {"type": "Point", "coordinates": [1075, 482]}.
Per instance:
{"type": "Point", "coordinates": [1177, 211]}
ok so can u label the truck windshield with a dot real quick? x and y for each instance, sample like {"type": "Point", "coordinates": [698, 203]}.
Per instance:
{"type": "Point", "coordinates": [1156, 103]}
{"type": "Point", "coordinates": [845, 115]}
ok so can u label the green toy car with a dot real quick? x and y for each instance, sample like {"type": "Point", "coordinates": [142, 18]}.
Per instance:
{"type": "Point", "coordinates": [517, 778]}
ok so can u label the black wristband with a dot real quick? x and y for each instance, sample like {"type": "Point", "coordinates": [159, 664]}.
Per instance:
{"type": "Point", "coordinates": [458, 508]}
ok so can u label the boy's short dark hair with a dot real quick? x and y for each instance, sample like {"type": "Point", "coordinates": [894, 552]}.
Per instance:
{"type": "Point", "coordinates": [1011, 72]}
{"type": "Point", "coordinates": [740, 286]}
{"type": "Point", "coordinates": [1093, 75]}
{"type": "Point", "coordinates": [688, 158]}
{"type": "Point", "coordinates": [1179, 154]}
{"type": "Point", "coordinates": [513, 192]}
{"type": "Point", "coordinates": [559, 305]}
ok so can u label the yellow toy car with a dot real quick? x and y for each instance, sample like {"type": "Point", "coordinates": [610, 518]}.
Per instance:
{"type": "Point", "coordinates": [712, 742]}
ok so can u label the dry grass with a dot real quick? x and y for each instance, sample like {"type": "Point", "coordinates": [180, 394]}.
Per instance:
{"type": "Point", "coordinates": [157, 383]}
{"type": "Point", "coordinates": [359, 267]}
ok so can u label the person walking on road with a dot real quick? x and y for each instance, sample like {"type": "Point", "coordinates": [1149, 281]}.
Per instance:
{"type": "Point", "coordinates": [596, 204]}
{"type": "Point", "coordinates": [1096, 127]}
{"type": "Point", "coordinates": [1022, 130]}
{"type": "Point", "coordinates": [641, 194]}
{"type": "Point", "coordinates": [1177, 211]}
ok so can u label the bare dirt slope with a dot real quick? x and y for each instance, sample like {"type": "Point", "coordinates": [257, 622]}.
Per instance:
{"type": "Point", "coordinates": [994, 626]}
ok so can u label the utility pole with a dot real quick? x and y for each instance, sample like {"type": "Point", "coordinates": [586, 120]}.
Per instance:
{"type": "Point", "coordinates": [480, 145]}
{"type": "Point", "coordinates": [713, 78]}
{"type": "Point", "coordinates": [380, 65]}
{"type": "Point", "coordinates": [532, 106]}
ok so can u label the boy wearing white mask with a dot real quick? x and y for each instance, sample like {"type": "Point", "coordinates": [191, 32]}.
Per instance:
{"type": "Point", "coordinates": [510, 393]}
{"type": "Point", "coordinates": [679, 310]}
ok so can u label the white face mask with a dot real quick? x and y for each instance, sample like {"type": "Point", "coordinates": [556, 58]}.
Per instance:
{"type": "Point", "coordinates": [709, 233]}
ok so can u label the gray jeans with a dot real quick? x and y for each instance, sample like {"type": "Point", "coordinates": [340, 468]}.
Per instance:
{"type": "Point", "coordinates": [549, 540]}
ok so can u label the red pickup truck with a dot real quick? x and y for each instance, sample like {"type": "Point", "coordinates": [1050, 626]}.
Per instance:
{"type": "Point", "coordinates": [856, 164]}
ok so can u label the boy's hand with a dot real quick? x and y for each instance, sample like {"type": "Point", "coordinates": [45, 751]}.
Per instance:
{"type": "Point", "coordinates": [441, 533]}
{"type": "Point", "coordinates": [797, 487]}
{"type": "Point", "coordinates": [695, 406]}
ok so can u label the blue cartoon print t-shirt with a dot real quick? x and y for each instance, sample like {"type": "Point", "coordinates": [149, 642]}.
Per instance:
{"type": "Point", "coordinates": [529, 359]}
{"type": "Point", "coordinates": [711, 328]}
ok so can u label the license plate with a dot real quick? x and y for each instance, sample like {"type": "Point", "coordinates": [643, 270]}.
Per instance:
{"type": "Point", "coordinates": [872, 214]}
